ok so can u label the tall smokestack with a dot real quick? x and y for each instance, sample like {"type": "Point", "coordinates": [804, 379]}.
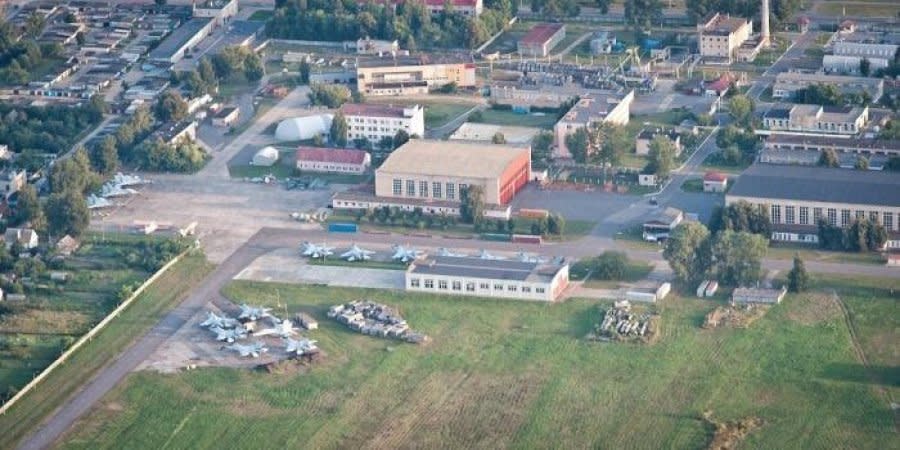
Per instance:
{"type": "Point", "coordinates": [764, 22]}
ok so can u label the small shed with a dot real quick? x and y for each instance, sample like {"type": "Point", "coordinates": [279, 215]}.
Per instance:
{"type": "Point", "coordinates": [757, 296]}
{"type": "Point", "coordinates": [67, 246]}
{"type": "Point", "coordinates": [265, 157]}
{"type": "Point", "coordinates": [715, 182]}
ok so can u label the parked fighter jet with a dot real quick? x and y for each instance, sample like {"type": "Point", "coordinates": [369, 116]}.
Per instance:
{"type": "Point", "coordinates": [357, 253]}
{"type": "Point", "coordinates": [123, 180]}
{"type": "Point", "coordinates": [284, 329]}
{"type": "Point", "coordinates": [215, 320]}
{"type": "Point", "coordinates": [95, 202]}
{"type": "Point", "coordinates": [229, 335]}
{"type": "Point", "coordinates": [253, 312]}
{"type": "Point", "coordinates": [405, 254]}
{"type": "Point", "coordinates": [254, 349]}
{"type": "Point", "coordinates": [525, 257]}
{"type": "Point", "coordinates": [444, 251]}
{"type": "Point", "coordinates": [316, 251]}
{"type": "Point", "coordinates": [485, 255]}
{"type": "Point", "coordinates": [110, 190]}
{"type": "Point", "coordinates": [300, 347]}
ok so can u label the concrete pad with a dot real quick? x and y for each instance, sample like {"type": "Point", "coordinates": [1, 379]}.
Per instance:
{"type": "Point", "coordinates": [286, 266]}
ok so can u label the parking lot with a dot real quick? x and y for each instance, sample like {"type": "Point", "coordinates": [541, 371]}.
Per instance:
{"type": "Point", "coordinates": [286, 266]}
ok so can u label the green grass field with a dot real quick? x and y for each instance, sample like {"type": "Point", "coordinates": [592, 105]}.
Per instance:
{"type": "Point", "coordinates": [144, 313]}
{"type": "Point", "coordinates": [509, 118]}
{"type": "Point", "coordinates": [511, 374]}
{"type": "Point", "coordinates": [439, 114]}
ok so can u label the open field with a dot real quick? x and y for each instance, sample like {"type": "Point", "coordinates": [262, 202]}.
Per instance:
{"type": "Point", "coordinates": [439, 114]}
{"type": "Point", "coordinates": [143, 314]}
{"type": "Point", "coordinates": [813, 253]}
{"type": "Point", "coordinates": [503, 374]}
{"type": "Point", "coordinates": [509, 118]}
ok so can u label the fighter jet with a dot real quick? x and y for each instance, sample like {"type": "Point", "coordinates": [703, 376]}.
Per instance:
{"type": "Point", "coordinates": [525, 257]}
{"type": "Point", "coordinates": [123, 180]}
{"type": "Point", "coordinates": [253, 312]}
{"type": "Point", "coordinates": [300, 347]}
{"type": "Point", "coordinates": [284, 329]}
{"type": "Point", "coordinates": [229, 335]}
{"type": "Point", "coordinates": [95, 202]}
{"type": "Point", "coordinates": [214, 320]}
{"type": "Point", "coordinates": [357, 253]}
{"type": "Point", "coordinates": [110, 190]}
{"type": "Point", "coordinates": [485, 255]}
{"type": "Point", "coordinates": [405, 254]}
{"type": "Point", "coordinates": [316, 251]}
{"type": "Point", "coordinates": [444, 251]}
{"type": "Point", "coordinates": [254, 349]}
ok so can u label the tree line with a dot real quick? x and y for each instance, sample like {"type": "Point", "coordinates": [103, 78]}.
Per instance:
{"type": "Point", "coordinates": [46, 129]}
{"type": "Point", "coordinates": [410, 22]}
{"type": "Point", "coordinates": [20, 55]}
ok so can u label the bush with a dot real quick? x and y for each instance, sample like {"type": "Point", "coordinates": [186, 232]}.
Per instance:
{"type": "Point", "coordinates": [610, 265]}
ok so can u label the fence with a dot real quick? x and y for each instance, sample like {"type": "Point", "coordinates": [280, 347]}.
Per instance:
{"type": "Point", "coordinates": [89, 335]}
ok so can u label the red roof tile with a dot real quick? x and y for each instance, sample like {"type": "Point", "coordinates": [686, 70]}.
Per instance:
{"type": "Point", "coordinates": [332, 155]}
{"type": "Point", "coordinates": [715, 176]}
{"type": "Point", "coordinates": [540, 33]}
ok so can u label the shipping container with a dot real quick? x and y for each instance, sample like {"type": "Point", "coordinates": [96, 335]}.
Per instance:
{"type": "Point", "coordinates": [534, 213]}
{"type": "Point", "coordinates": [342, 227]}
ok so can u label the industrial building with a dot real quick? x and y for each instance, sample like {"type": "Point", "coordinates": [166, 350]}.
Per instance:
{"type": "Point", "coordinates": [332, 160]}
{"type": "Point", "coordinates": [866, 147]}
{"type": "Point", "coordinates": [404, 75]}
{"type": "Point", "coordinates": [303, 128]}
{"type": "Point", "coordinates": [788, 83]}
{"type": "Point", "coordinates": [816, 119]}
{"type": "Point", "coordinates": [720, 37]}
{"type": "Point", "coordinates": [367, 46]}
{"type": "Point", "coordinates": [798, 196]}
{"type": "Point", "coordinates": [851, 48]}
{"type": "Point", "coordinates": [431, 175]}
{"type": "Point", "coordinates": [541, 39]}
{"type": "Point", "coordinates": [173, 48]}
{"type": "Point", "coordinates": [485, 132]}
{"type": "Point", "coordinates": [509, 279]}
{"type": "Point", "coordinates": [219, 11]}
{"type": "Point", "coordinates": [610, 107]}
{"type": "Point", "coordinates": [374, 122]}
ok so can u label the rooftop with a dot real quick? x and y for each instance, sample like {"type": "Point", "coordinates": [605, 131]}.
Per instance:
{"type": "Point", "coordinates": [414, 60]}
{"type": "Point", "coordinates": [373, 110]}
{"type": "Point", "coordinates": [801, 77]}
{"type": "Point", "coordinates": [492, 269]}
{"type": "Point", "coordinates": [541, 33]}
{"type": "Point", "coordinates": [819, 184]}
{"type": "Point", "coordinates": [721, 24]}
{"type": "Point", "coordinates": [453, 158]}
{"type": "Point", "coordinates": [593, 107]}
{"type": "Point", "coordinates": [824, 141]}
{"type": "Point", "coordinates": [334, 155]}
{"type": "Point", "coordinates": [180, 36]}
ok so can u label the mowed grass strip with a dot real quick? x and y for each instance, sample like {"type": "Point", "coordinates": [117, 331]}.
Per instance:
{"type": "Point", "coordinates": [134, 321]}
{"type": "Point", "coordinates": [516, 374]}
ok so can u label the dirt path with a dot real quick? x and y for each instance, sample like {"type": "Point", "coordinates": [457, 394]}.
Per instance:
{"type": "Point", "coordinates": [861, 356]}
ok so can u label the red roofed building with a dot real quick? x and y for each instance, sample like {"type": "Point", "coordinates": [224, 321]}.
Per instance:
{"type": "Point", "coordinates": [333, 160]}
{"type": "Point", "coordinates": [718, 87]}
{"type": "Point", "coordinates": [464, 7]}
{"type": "Point", "coordinates": [715, 182]}
{"type": "Point", "coordinates": [541, 39]}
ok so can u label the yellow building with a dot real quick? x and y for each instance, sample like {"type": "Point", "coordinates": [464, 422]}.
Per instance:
{"type": "Point", "coordinates": [404, 75]}
{"type": "Point", "coordinates": [722, 35]}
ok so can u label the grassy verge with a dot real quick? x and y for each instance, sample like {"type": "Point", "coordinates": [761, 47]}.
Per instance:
{"type": "Point", "coordinates": [634, 271]}
{"type": "Point", "coordinates": [505, 374]}
{"type": "Point", "coordinates": [277, 170]}
{"type": "Point", "coordinates": [141, 316]}
{"type": "Point", "coordinates": [632, 237]}
{"type": "Point", "coordinates": [440, 114]}
{"type": "Point", "coordinates": [710, 164]}
{"type": "Point", "coordinates": [812, 253]}
{"type": "Point", "coordinates": [692, 185]}
{"type": "Point", "coordinates": [336, 261]}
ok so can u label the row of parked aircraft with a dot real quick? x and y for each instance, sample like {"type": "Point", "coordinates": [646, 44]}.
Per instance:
{"type": "Point", "coordinates": [402, 253]}
{"type": "Point", "coordinates": [231, 330]}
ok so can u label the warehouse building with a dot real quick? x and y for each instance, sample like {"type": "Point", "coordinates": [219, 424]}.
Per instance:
{"type": "Point", "coordinates": [332, 160]}
{"type": "Point", "coordinates": [493, 278]}
{"type": "Point", "coordinates": [816, 119]}
{"type": "Point", "coordinates": [850, 49]}
{"type": "Point", "coordinates": [373, 122]}
{"type": "Point", "coordinates": [798, 196]}
{"type": "Point", "coordinates": [405, 75]}
{"type": "Point", "coordinates": [721, 36]}
{"type": "Point", "coordinates": [788, 83]}
{"type": "Point", "coordinates": [173, 48]}
{"type": "Point", "coordinates": [431, 175]}
{"type": "Point", "coordinates": [806, 150]}
{"type": "Point", "coordinates": [220, 11]}
{"type": "Point", "coordinates": [608, 107]}
{"type": "Point", "coordinates": [541, 39]}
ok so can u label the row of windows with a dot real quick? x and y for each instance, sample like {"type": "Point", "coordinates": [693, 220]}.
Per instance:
{"type": "Point", "coordinates": [791, 216]}
{"type": "Point", "coordinates": [437, 190]}
{"type": "Point", "coordinates": [456, 285]}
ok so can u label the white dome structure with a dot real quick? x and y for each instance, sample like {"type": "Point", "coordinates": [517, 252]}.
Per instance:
{"type": "Point", "coordinates": [266, 157]}
{"type": "Point", "coordinates": [303, 128]}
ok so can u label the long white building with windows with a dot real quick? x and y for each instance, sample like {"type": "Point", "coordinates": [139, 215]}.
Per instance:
{"type": "Point", "coordinates": [510, 279]}
{"type": "Point", "coordinates": [797, 197]}
{"type": "Point", "coordinates": [374, 122]}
